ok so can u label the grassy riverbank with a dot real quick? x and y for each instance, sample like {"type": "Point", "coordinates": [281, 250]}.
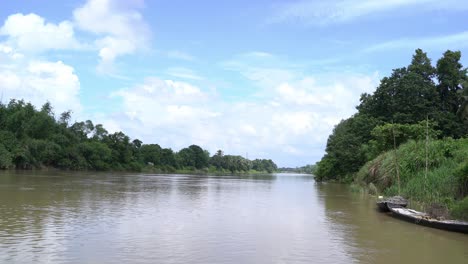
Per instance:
{"type": "Point", "coordinates": [446, 181]}
{"type": "Point", "coordinates": [415, 102]}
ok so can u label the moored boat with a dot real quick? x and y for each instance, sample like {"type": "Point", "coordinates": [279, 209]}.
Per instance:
{"type": "Point", "coordinates": [383, 203]}
{"type": "Point", "coordinates": [424, 219]}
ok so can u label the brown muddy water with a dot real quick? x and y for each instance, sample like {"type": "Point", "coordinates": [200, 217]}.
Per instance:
{"type": "Point", "coordinates": [56, 217]}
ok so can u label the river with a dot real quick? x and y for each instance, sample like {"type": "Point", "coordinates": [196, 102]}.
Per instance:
{"type": "Point", "coordinates": [58, 217]}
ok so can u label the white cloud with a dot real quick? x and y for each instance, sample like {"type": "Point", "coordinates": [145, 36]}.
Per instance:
{"type": "Point", "coordinates": [290, 127]}
{"type": "Point", "coordinates": [263, 69]}
{"type": "Point", "coordinates": [288, 120]}
{"type": "Point", "coordinates": [314, 12]}
{"type": "Point", "coordinates": [453, 41]}
{"type": "Point", "coordinates": [38, 81]}
{"type": "Point", "coordinates": [120, 28]}
{"type": "Point", "coordinates": [116, 25]}
{"type": "Point", "coordinates": [31, 33]}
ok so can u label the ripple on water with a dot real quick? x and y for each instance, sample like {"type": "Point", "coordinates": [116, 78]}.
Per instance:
{"type": "Point", "coordinates": [199, 219]}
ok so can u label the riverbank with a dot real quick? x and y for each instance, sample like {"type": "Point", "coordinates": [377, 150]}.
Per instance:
{"type": "Point", "coordinates": [204, 171]}
{"type": "Point", "coordinates": [152, 169]}
{"type": "Point", "coordinates": [443, 188]}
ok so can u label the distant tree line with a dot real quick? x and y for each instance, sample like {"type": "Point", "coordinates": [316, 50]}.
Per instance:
{"type": "Point", "coordinates": [308, 169]}
{"type": "Point", "coordinates": [32, 138]}
{"type": "Point", "coordinates": [238, 163]}
{"type": "Point", "coordinates": [397, 112]}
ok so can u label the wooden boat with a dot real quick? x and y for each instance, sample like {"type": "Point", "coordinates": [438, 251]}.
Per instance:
{"type": "Point", "coordinates": [382, 204]}
{"type": "Point", "coordinates": [424, 219]}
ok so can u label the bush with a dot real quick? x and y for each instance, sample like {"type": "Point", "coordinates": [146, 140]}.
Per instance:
{"type": "Point", "coordinates": [5, 158]}
{"type": "Point", "coordinates": [460, 209]}
{"type": "Point", "coordinates": [461, 176]}
{"type": "Point", "coordinates": [372, 189]}
{"type": "Point", "coordinates": [355, 188]}
{"type": "Point", "coordinates": [446, 180]}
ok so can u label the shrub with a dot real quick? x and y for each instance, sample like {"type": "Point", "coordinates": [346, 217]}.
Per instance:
{"type": "Point", "coordinates": [460, 209]}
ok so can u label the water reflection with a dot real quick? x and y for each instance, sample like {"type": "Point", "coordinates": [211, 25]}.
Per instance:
{"type": "Point", "coordinates": [373, 237]}
{"type": "Point", "coordinates": [60, 217]}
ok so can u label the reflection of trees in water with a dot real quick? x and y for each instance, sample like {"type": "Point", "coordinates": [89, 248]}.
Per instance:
{"type": "Point", "coordinates": [373, 237]}
{"type": "Point", "coordinates": [239, 183]}
{"type": "Point", "coordinates": [191, 186]}
{"type": "Point", "coordinates": [38, 205]}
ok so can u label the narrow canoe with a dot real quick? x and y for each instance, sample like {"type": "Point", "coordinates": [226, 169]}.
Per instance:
{"type": "Point", "coordinates": [424, 219]}
{"type": "Point", "coordinates": [383, 204]}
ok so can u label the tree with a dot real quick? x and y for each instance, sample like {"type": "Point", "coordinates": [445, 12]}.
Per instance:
{"type": "Point", "coordinates": [5, 158]}
{"type": "Point", "coordinates": [387, 135]}
{"type": "Point", "coordinates": [97, 154]}
{"type": "Point", "coordinates": [33, 139]}
{"type": "Point", "coordinates": [100, 132]}
{"type": "Point", "coordinates": [451, 75]}
{"type": "Point", "coordinates": [217, 159]}
{"type": "Point", "coordinates": [264, 165]}
{"type": "Point", "coordinates": [65, 118]}
{"type": "Point", "coordinates": [200, 156]}
{"type": "Point", "coordinates": [345, 152]}
{"type": "Point", "coordinates": [463, 110]}
{"type": "Point", "coordinates": [151, 153]}
{"type": "Point", "coordinates": [404, 97]}
{"type": "Point", "coordinates": [168, 158]}
{"type": "Point", "coordinates": [421, 65]}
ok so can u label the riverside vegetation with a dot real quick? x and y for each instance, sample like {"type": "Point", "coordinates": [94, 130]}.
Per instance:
{"type": "Point", "coordinates": [34, 139]}
{"type": "Point", "coordinates": [386, 139]}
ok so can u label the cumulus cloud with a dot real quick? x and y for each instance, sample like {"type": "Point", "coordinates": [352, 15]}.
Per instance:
{"type": "Point", "coordinates": [120, 28]}
{"type": "Point", "coordinates": [38, 81]}
{"type": "Point", "coordinates": [289, 123]}
{"type": "Point", "coordinates": [288, 119]}
{"type": "Point", "coordinates": [116, 26]}
{"type": "Point", "coordinates": [31, 33]}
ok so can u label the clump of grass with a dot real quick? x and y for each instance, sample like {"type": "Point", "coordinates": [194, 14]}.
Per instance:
{"type": "Point", "coordinates": [372, 189]}
{"type": "Point", "coordinates": [445, 184]}
{"type": "Point", "coordinates": [356, 188]}
{"type": "Point", "coordinates": [460, 209]}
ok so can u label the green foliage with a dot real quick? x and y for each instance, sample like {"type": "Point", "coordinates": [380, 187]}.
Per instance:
{"type": "Point", "coordinates": [385, 135]}
{"type": "Point", "coordinates": [445, 183]}
{"type": "Point", "coordinates": [355, 188]}
{"type": "Point", "coordinates": [5, 158]}
{"type": "Point", "coordinates": [460, 209]}
{"type": "Point", "coordinates": [451, 75]}
{"type": "Point", "coordinates": [398, 108]}
{"type": "Point", "coordinates": [372, 189]}
{"type": "Point", "coordinates": [35, 139]}
{"type": "Point", "coordinates": [325, 168]}
{"type": "Point", "coordinates": [345, 151]}
{"type": "Point", "coordinates": [151, 153]}
{"type": "Point", "coordinates": [461, 176]}
{"type": "Point", "coordinates": [264, 165]}
{"type": "Point", "coordinates": [307, 169]}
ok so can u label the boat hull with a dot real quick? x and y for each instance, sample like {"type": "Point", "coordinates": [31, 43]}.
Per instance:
{"type": "Point", "coordinates": [423, 219]}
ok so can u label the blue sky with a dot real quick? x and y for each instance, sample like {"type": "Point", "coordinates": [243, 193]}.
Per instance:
{"type": "Point", "coordinates": [267, 78]}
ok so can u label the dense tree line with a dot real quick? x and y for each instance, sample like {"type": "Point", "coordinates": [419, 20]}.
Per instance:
{"type": "Point", "coordinates": [238, 163]}
{"type": "Point", "coordinates": [394, 112]}
{"type": "Point", "coordinates": [32, 138]}
{"type": "Point", "coordinates": [308, 169]}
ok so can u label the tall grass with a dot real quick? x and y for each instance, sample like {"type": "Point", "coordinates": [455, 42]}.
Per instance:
{"type": "Point", "coordinates": [445, 184]}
